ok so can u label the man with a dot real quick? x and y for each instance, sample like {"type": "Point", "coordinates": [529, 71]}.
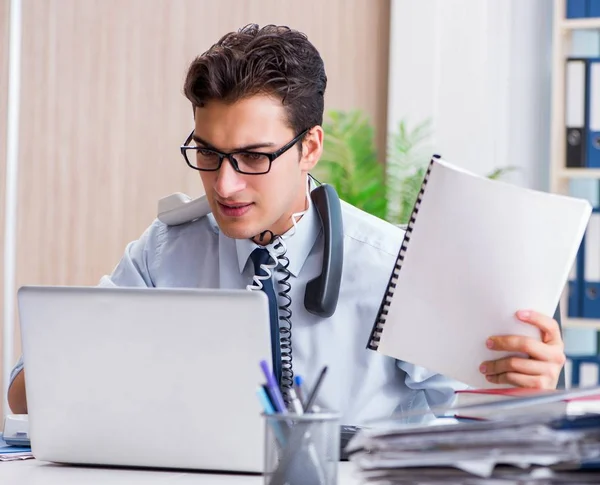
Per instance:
{"type": "Point", "coordinates": [262, 91]}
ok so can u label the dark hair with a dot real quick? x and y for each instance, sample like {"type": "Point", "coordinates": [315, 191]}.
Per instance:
{"type": "Point", "coordinates": [273, 60]}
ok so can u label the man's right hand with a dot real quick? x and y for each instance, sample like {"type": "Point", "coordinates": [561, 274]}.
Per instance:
{"type": "Point", "coordinates": [17, 400]}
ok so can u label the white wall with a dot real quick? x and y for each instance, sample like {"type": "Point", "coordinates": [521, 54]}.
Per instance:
{"type": "Point", "coordinates": [480, 69]}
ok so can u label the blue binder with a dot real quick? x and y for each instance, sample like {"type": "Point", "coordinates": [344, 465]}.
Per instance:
{"type": "Point", "coordinates": [576, 9]}
{"type": "Point", "coordinates": [590, 190]}
{"type": "Point", "coordinates": [576, 285]}
{"type": "Point", "coordinates": [591, 300]}
{"type": "Point", "coordinates": [593, 113]}
{"type": "Point", "coordinates": [593, 8]}
{"type": "Point", "coordinates": [590, 291]}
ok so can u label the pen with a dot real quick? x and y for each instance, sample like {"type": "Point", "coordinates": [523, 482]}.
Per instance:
{"type": "Point", "coordinates": [278, 403]}
{"type": "Point", "coordinates": [296, 404]}
{"type": "Point", "coordinates": [265, 401]}
{"type": "Point", "coordinates": [313, 395]}
{"type": "Point", "coordinates": [298, 385]}
{"type": "Point", "coordinates": [268, 408]}
{"type": "Point", "coordinates": [268, 396]}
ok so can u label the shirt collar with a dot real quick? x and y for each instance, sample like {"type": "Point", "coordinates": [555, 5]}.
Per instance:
{"type": "Point", "coordinates": [298, 245]}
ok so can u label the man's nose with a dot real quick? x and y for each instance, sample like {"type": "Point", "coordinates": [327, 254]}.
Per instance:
{"type": "Point", "coordinates": [228, 182]}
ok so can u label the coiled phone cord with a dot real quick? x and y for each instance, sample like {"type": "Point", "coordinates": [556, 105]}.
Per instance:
{"type": "Point", "coordinates": [285, 316]}
{"type": "Point", "coordinates": [277, 250]}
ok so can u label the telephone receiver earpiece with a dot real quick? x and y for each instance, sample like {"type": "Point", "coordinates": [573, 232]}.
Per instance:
{"type": "Point", "coordinates": [322, 293]}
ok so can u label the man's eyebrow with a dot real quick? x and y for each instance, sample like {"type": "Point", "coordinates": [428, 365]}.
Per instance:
{"type": "Point", "coordinates": [252, 146]}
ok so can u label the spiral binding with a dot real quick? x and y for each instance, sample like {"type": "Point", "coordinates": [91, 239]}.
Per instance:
{"type": "Point", "coordinates": [384, 308]}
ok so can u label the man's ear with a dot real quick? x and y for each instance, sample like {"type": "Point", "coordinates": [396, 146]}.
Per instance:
{"type": "Point", "coordinates": [312, 148]}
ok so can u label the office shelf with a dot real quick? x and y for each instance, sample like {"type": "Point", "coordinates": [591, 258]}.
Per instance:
{"type": "Point", "coordinates": [581, 24]}
{"type": "Point", "coordinates": [560, 176]}
{"type": "Point", "coordinates": [562, 31]}
{"type": "Point", "coordinates": [581, 173]}
{"type": "Point", "coordinates": [581, 323]}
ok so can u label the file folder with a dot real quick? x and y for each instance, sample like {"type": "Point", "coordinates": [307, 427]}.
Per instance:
{"type": "Point", "coordinates": [575, 285]}
{"type": "Point", "coordinates": [591, 286]}
{"type": "Point", "coordinates": [576, 9]}
{"type": "Point", "coordinates": [575, 112]}
{"type": "Point", "coordinates": [588, 189]}
{"type": "Point", "coordinates": [593, 114]}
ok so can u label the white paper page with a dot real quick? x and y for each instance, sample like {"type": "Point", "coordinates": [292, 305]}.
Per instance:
{"type": "Point", "coordinates": [480, 250]}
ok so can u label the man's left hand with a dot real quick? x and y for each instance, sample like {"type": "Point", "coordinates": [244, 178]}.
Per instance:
{"type": "Point", "coordinates": [546, 357]}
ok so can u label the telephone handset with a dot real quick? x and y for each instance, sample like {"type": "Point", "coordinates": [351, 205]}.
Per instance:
{"type": "Point", "coordinates": [179, 208]}
{"type": "Point", "coordinates": [322, 293]}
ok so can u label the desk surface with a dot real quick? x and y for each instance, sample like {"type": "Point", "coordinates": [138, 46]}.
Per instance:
{"type": "Point", "coordinates": [34, 472]}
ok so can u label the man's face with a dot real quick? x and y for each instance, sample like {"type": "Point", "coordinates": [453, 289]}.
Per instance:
{"type": "Point", "coordinates": [246, 205]}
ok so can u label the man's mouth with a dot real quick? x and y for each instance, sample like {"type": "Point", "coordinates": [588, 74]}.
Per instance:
{"type": "Point", "coordinates": [236, 209]}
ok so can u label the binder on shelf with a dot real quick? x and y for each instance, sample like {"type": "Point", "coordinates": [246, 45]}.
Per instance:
{"type": "Point", "coordinates": [577, 9]}
{"type": "Point", "coordinates": [593, 113]}
{"type": "Point", "coordinates": [575, 112]}
{"type": "Point", "coordinates": [588, 189]}
{"type": "Point", "coordinates": [591, 300]}
{"type": "Point", "coordinates": [591, 272]}
{"type": "Point", "coordinates": [575, 286]}
{"type": "Point", "coordinates": [593, 8]}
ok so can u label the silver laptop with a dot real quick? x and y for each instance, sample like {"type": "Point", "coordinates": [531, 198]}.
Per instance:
{"type": "Point", "coordinates": [161, 378]}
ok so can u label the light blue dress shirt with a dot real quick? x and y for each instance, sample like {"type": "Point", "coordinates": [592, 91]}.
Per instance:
{"type": "Point", "coordinates": [361, 384]}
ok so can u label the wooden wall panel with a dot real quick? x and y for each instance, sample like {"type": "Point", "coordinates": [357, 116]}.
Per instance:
{"type": "Point", "coordinates": [104, 115]}
{"type": "Point", "coordinates": [4, 13]}
{"type": "Point", "coordinates": [103, 112]}
{"type": "Point", "coordinates": [351, 35]}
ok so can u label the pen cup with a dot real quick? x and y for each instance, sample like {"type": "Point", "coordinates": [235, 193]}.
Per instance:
{"type": "Point", "coordinates": [302, 449]}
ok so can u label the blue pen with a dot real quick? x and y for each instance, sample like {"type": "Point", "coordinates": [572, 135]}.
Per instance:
{"type": "Point", "coordinates": [265, 401]}
{"type": "Point", "coordinates": [268, 408]}
{"type": "Point", "coordinates": [298, 383]}
{"type": "Point", "coordinates": [273, 388]}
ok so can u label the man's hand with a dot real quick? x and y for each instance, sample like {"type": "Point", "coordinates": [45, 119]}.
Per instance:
{"type": "Point", "coordinates": [546, 358]}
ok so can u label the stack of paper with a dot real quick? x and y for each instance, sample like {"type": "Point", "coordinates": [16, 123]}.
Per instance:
{"type": "Point", "coordinates": [505, 449]}
{"type": "Point", "coordinates": [488, 403]}
{"type": "Point", "coordinates": [14, 456]}
{"type": "Point", "coordinates": [500, 404]}
{"type": "Point", "coordinates": [11, 453]}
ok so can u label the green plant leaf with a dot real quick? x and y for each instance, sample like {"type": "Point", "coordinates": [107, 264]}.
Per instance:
{"type": "Point", "coordinates": [351, 165]}
{"type": "Point", "coordinates": [349, 161]}
{"type": "Point", "coordinates": [499, 172]}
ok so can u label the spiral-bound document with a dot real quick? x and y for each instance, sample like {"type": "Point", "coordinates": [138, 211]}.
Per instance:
{"type": "Point", "coordinates": [475, 251]}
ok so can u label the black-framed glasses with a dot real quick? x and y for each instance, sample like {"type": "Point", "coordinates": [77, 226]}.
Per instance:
{"type": "Point", "coordinates": [243, 161]}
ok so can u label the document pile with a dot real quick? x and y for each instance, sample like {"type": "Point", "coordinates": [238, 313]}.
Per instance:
{"type": "Point", "coordinates": [12, 453]}
{"type": "Point", "coordinates": [15, 455]}
{"type": "Point", "coordinates": [527, 447]}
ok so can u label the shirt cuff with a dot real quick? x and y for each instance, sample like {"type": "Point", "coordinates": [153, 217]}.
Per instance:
{"type": "Point", "coordinates": [16, 369]}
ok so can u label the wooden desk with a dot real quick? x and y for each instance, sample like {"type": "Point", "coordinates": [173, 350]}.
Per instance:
{"type": "Point", "coordinates": [34, 472]}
